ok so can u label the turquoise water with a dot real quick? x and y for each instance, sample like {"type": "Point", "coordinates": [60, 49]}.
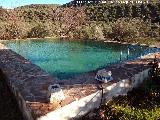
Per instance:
{"type": "Point", "coordinates": [65, 59]}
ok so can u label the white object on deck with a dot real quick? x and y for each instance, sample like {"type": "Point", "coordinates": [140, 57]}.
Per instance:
{"type": "Point", "coordinates": [55, 93]}
{"type": "Point", "coordinates": [158, 65]}
{"type": "Point", "coordinates": [104, 76]}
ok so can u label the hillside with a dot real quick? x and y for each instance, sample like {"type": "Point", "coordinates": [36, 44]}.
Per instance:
{"type": "Point", "coordinates": [100, 21]}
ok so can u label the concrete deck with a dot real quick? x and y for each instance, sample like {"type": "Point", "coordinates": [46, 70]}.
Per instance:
{"type": "Point", "coordinates": [30, 82]}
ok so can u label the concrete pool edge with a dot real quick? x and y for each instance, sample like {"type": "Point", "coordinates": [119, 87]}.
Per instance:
{"type": "Point", "coordinates": [86, 104]}
{"type": "Point", "coordinates": [47, 59]}
{"type": "Point", "coordinates": [12, 68]}
{"type": "Point", "coordinates": [25, 110]}
{"type": "Point", "coordinates": [28, 83]}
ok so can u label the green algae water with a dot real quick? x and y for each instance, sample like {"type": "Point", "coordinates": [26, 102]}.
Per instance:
{"type": "Point", "coordinates": [65, 59]}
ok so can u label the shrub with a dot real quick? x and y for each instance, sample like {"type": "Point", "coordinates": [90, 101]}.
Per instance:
{"type": "Point", "coordinates": [141, 103]}
{"type": "Point", "coordinates": [38, 31]}
{"type": "Point", "coordinates": [125, 29]}
{"type": "Point", "coordinates": [10, 31]}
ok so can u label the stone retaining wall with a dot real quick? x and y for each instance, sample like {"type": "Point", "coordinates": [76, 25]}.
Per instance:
{"type": "Point", "coordinates": [25, 110]}
{"type": "Point", "coordinates": [84, 105]}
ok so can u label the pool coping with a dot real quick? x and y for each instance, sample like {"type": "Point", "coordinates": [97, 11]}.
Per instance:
{"type": "Point", "coordinates": [30, 85]}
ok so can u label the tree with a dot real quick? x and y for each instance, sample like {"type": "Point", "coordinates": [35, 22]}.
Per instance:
{"type": "Point", "coordinates": [38, 31]}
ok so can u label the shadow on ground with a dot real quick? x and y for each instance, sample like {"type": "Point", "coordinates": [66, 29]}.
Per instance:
{"type": "Point", "coordinates": [8, 106]}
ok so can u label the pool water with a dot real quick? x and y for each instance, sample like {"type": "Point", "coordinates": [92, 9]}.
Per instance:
{"type": "Point", "coordinates": [64, 59]}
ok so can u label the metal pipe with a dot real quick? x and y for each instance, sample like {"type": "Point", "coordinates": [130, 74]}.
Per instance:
{"type": "Point", "coordinates": [121, 56]}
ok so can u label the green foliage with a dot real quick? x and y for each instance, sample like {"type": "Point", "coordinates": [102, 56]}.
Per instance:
{"type": "Point", "coordinates": [10, 30]}
{"type": "Point", "coordinates": [88, 32]}
{"type": "Point", "coordinates": [115, 11]}
{"type": "Point", "coordinates": [128, 113]}
{"type": "Point", "coordinates": [38, 31]}
{"type": "Point", "coordinates": [98, 21]}
{"type": "Point", "coordinates": [3, 14]}
{"type": "Point", "coordinates": [140, 104]}
{"type": "Point", "coordinates": [126, 29]}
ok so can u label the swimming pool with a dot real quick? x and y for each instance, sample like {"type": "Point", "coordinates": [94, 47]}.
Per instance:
{"type": "Point", "coordinates": [65, 59]}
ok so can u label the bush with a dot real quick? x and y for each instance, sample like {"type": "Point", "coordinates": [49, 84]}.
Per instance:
{"type": "Point", "coordinates": [125, 29]}
{"type": "Point", "coordinates": [38, 31]}
{"type": "Point", "coordinates": [139, 104]}
{"type": "Point", "coordinates": [10, 30]}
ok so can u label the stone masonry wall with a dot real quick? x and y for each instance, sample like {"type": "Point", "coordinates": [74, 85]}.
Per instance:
{"type": "Point", "coordinates": [84, 105]}
{"type": "Point", "coordinates": [26, 111]}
